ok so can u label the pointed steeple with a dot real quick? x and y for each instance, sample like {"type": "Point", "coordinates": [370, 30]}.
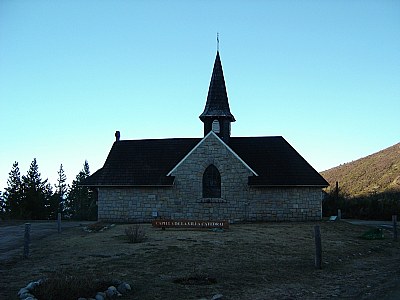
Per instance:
{"type": "Point", "coordinates": [217, 100]}
{"type": "Point", "coordinates": [217, 114]}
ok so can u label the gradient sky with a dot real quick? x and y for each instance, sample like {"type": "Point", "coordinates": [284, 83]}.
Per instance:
{"type": "Point", "coordinates": [325, 75]}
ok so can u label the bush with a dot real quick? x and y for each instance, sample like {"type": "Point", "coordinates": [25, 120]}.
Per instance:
{"type": "Point", "coordinates": [135, 233]}
{"type": "Point", "coordinates": [372, 207]}
{"type": "Point", "coordinates": [64, 285]}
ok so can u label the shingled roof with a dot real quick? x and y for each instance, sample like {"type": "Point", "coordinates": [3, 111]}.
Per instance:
{"type": "Point", "coordinates": [217, 104]}
{"type": "Point", "coordinates": [276, 162]}
{"type": "Point", "coordinates": [147, 162]}
{"type": "Point", "coordinates": [141, 162]}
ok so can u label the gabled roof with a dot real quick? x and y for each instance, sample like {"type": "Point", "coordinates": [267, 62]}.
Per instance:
{"type": "Point", "coordinates": [141, 162]}
{"type": "Point", "coordinates": [217, 104]}
{"type": "Point", "coordinates": [211, 133]}
{"type": "Point", "coordinates": [148, 162]}
{"type": "Point", "coordinates": [276, 162]}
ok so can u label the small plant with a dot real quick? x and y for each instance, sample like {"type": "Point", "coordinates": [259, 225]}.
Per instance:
{"type": "Point", "coordinates": [373, 234]}
{"type": "Point", "coordinates": [97, 227]}
{"type": "Point", "coordinates": [63, 285]}
{"type": "Point", "coordinates": [135, 233]}
{"type": "Point", "coordinates": [199, 279]}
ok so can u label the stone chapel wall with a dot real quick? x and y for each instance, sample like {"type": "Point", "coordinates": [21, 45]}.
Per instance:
{"type": "Point", "coordinates": [239, 202]}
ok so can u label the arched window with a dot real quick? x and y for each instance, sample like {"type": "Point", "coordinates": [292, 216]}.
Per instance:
{"type": "Point", "coordinates": [215, 126]}
{"type": "Point", "coordinates": [211, 183]}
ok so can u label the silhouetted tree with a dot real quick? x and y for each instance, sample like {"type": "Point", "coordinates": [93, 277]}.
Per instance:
{"type": "Point", "coordinates": [36, 194]}
{"type": "Point", "coordinates": [81, 202]}
{"type": "Point", "coordinates": [2, 206]}
{"type": "Point", "coordinates": [13, 195]}
{"type": "Point", "coordinates": [59, 198]}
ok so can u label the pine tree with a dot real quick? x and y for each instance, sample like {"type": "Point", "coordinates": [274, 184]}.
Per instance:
{"type": "Point", "coordinates": [36, 194]}
{"type": "Point", "coordinates": [13, 196]}
{"type": "Point", "coordinates": [81, 202]}
{"type": "Point", "coordinates": [61, 182]}
{"type": "Point", "coordinates": [52, 202]}
{"type": "Point", "coordinates": [59, 198]}
{"type": "Point", "coordinates": [2, 206]}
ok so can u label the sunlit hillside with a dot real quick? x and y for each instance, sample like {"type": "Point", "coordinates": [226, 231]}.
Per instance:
{"type": "Point", "coordinates": [376, 173]}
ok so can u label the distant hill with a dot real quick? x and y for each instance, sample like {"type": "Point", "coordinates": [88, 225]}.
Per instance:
{"type": "Point", "coordinates": [376, 173]}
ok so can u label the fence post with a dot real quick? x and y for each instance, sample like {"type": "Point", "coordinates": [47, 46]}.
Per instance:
{"type": "Point", "coordinates": [394, 219]}
{"type": "Point", "coordinates": [27, 239]}
{"type": "Point", "coordinates": [59, 222]}
{"type": "Point", "coordinates": [318, 247]}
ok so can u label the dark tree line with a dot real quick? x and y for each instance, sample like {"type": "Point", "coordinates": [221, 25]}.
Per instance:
{"type": "Point", "coordinates": [31, 197]}
{"type": "Point", "coordinates": [378, 206]}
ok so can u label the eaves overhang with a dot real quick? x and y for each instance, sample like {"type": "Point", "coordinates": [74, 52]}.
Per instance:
{"type": "Point", "coordinates": [288, 185]}
{"type": "Point", "coordinates": [128, 185]}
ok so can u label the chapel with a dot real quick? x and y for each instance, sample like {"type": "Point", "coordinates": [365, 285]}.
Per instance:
{"type": "Point", "coordinates": [214, 177]}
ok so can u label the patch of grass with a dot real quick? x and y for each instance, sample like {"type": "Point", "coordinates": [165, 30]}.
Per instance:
{"type": "Point", "coordinates": [135, 233]}
{"type": "Point", "coordinates": [198, 279]}
{"type": "Point", "coordinates": [66, 286]}
{"type": "Point", "coordinates": [97, 227]}
{"type": "Point", "coordinates": [248, 261]}
{"type": "Point", "coordinates": [373, 234]}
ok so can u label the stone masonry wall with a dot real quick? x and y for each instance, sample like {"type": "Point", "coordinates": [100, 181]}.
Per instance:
{"type": "Point", "coordinates": [238, 201]}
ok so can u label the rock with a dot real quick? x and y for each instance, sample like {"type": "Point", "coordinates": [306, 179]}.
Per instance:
{"type": "Point", "coordinates": [31, 286]}
{"type": "Point", "coordinates": [23, 291]}
{"type": "Point", "coordinates": [116, 282]}
{"type": "Point", "coordinates": [100, 296]}
{"type": "Point", "coordinates": [217, 297]}
{"type": "Point", "coordinates": [123, 288]}
{"type": "Point", "coordinates": [25, 296]}
{"type": "Point", "coordinates": [112, 292]}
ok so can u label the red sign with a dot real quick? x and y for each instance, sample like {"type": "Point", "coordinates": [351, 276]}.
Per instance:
{"type": "Point", "coordinates": [164, 223]}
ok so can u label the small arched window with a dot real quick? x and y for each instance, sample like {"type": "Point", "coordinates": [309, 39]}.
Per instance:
{"type": "Point", "coordinates": [211, 183]}
{"type": "Point", "coordinates": [215, 126]}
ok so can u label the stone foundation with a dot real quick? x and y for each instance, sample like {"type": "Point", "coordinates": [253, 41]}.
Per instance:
{"type": "Point", "coordinates": [264, 204]}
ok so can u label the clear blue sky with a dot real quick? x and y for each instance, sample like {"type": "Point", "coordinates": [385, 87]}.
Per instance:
{"type": "Point", "coordinates": [325, 75]}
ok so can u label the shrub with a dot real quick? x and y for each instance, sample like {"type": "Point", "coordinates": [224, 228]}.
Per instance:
{"type": "Point", "coordinates": [380, 206]}
{"type": "Point", "coordinates": [64, 285]}
{"type": "Point", "coordinates": [135, 233]}
{"type": "Point", "coordinates": [98, 227]}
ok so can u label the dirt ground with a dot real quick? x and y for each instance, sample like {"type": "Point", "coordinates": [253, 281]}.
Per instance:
{"type": "Point", "coordinates": [247, 261]}
{"type": "Point", "coordinates": [12, 234]}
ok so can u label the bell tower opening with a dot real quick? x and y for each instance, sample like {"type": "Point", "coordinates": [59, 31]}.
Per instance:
{"type": "Point", "coordinates": [215, 126]}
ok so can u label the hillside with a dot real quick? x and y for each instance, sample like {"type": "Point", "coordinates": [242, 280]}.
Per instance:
{"type": "Point", "coordinates": [376, 173]}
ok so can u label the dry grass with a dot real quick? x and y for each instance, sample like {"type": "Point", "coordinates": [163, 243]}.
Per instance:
{"type": "Point", "coordinates": [64, 285]}
{"type": "Point", "coordinates": [375, 173]}
{"type": "Point", "coordinates": [135, 233]}
{"type": "Point", "coordinates": [248, 261]}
